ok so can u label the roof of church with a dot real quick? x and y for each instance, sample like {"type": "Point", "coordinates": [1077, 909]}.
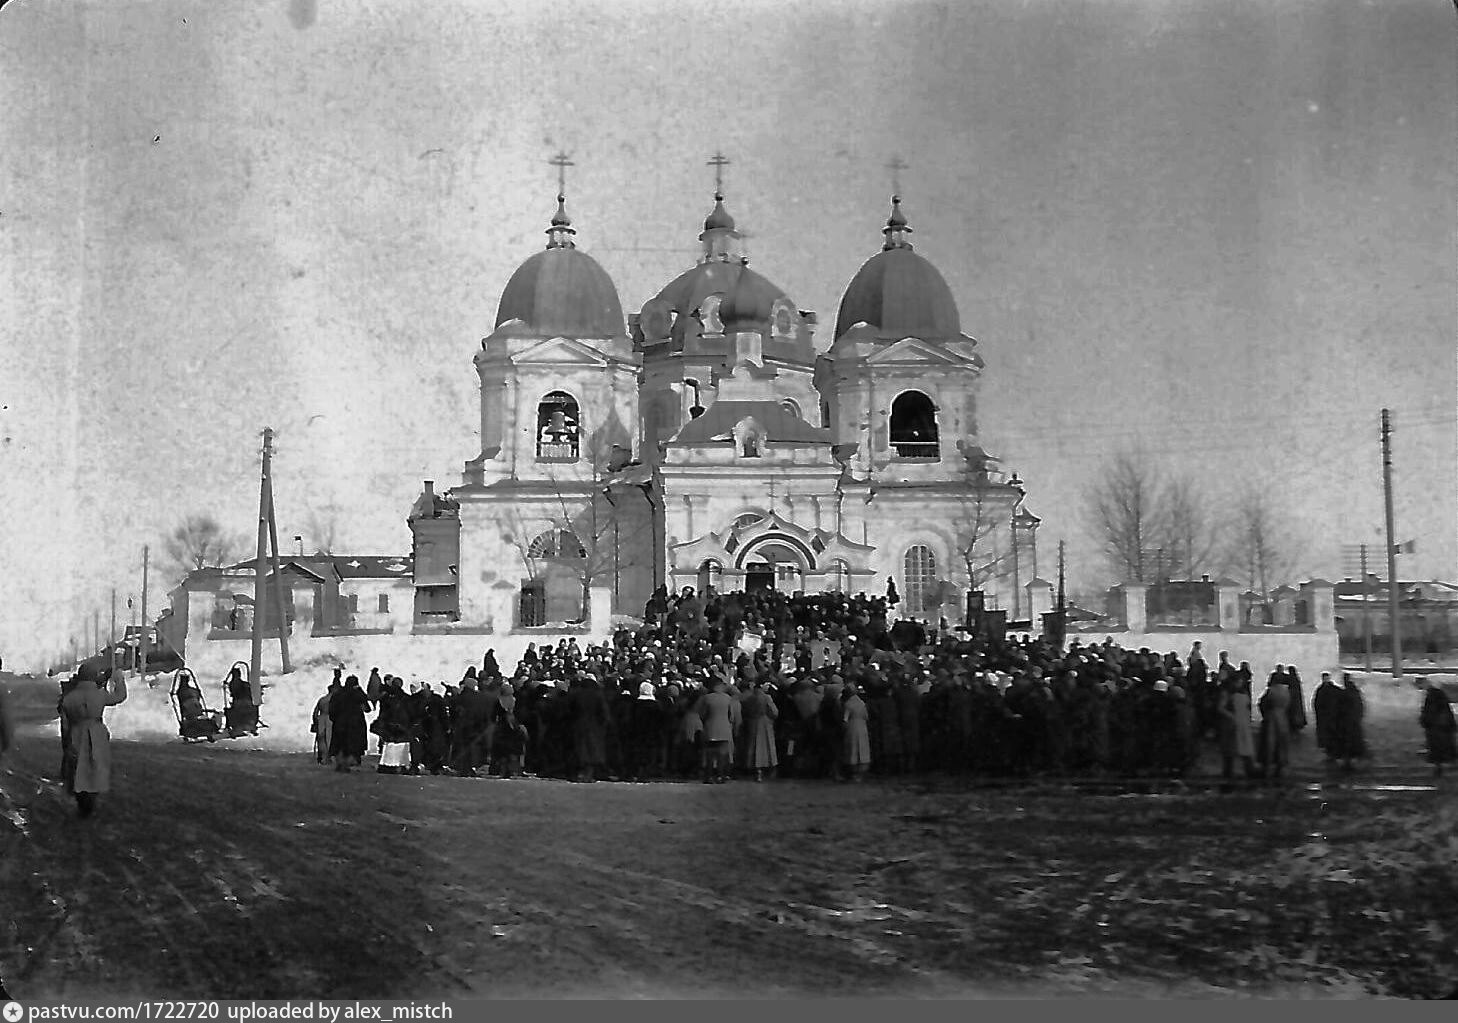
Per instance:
{"type": "Point", "coordinates": [563, 292]}
{"type": "Point", "coordinates": [902, 295]}
{"type": "Point", "coordinates": [898, 292]}
{"type": "Point", "coordinates": [779, 424]}
{"type": "Point", "coordinates": [748, 297]}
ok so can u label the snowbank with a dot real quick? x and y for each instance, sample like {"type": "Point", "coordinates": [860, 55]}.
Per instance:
{"type": "Point", "coordinates": [288, 700]}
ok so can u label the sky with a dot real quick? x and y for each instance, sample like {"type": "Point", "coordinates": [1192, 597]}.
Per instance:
{"type": "Point", "coordinates": [1219, 234]}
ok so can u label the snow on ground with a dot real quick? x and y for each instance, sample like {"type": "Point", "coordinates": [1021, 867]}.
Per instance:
{"type": "Point", "coordinates": [288, 700]}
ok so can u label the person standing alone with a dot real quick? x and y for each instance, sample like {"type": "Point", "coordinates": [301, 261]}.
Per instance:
{"type": "Point", "coordinates": [88, 768]}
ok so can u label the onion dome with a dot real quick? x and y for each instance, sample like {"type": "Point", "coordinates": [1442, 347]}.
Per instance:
{"type": "Point", "coordinates": [719, 218]}
{"type": "Point", "coordinates": [562, 291]}
{"type": "Point", "coordinates": [899, 293]}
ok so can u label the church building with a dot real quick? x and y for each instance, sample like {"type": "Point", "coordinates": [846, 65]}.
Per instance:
{"type": "Point", "coordinates": [708, 441]}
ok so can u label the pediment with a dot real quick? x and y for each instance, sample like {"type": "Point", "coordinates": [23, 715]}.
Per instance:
{"type": "Point", "coordinates": [910, 351]}
{"type": "Point", "coordinates": [561, 351]}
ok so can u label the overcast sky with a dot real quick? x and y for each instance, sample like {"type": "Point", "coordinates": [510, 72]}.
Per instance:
{"type": "Point", "coordinates": [1221, 232]}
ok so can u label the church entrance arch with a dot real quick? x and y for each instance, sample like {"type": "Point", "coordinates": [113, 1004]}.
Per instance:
{"type": "Point", "coordinates": [775, 562]}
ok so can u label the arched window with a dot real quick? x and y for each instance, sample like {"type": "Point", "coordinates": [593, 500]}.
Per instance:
{"type": "Point", "coordinates": [914, 426]}
{"type": "Point", "coordinates": [557, 545]}
{"type": "Point", "coordinates": [709, 575]}
{"type": "Point", "coordinates": [920, 577]}
{"type": "Point", "coordinates": [558, 424]}
{"type": "Point", "coordinates": [840, 578]}
{"type": "Point", "coordinates": [791, 406]}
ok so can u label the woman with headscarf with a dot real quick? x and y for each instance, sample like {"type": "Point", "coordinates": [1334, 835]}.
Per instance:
{"type": "Point", "coordinates": [88, 765]}
{"type": "Point", "coordinates": [1348, 740]}
{"type": "Point", "coordinates": [1439, 727]}
{"type": "Point", "coordinates": [348, 735]}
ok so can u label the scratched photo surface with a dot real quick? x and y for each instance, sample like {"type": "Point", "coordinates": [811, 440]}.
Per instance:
{"type": "Point", "coordinates": [1197, 245]}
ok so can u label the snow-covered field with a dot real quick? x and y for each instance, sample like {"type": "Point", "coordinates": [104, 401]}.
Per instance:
{"type": "Point", "coordinates": [288, 700]}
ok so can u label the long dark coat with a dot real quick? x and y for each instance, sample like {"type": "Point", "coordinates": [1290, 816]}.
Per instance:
{"type": "Point", "coordinates": [908, 720]}
{"type": "Point", "coordinates": [348, 736]}
{"type": "Point", "coordinates": [1439, 727]}
{"type": "Point", "coordinates": [587, 711]}
{"type": "Point", "coordinates": [1348, 741]}
{"type": "Point", "coordinates": [1326, 705]}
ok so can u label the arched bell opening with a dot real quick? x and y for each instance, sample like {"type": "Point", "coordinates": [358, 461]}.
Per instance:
{"type": "Point", "coordinates": [914, 426]}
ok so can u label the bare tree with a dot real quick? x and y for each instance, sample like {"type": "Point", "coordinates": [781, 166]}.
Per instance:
{"type": "Point", "coordinates": [978, 519]}
{"type": "Point", "coordinates": [1192, 536]}
{"type": "Point", "coordinates": [1128, 513]}
{"type": "Point", "coordinates": [1262, 542]}
{"type": "Point", "coordinates": [200, 542]}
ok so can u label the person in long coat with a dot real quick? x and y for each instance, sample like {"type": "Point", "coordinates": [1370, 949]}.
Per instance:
{"type": "Point", "coordinates": [1236, 741]}
{"type": "Point", "coordinates": [434, 730]}
{"type": "Point", "coordinates": [89, 768]}
{"type": "Point", "coordinates": [759, 714]}
{"type": "Point", "coordinates": [348, 734]}
{"type": "Point", "coordinates": [1326, 705]}
{"type": "Point", "coordinates": [587, 710]}
{"type": "Point", "coordinates": [722, 718]}
{"type": "Point", "coordinates": [1439, 728]}
{"type": "Point", "coordinates": [855, 735]}
{"type": "Point", "coordinates": [1298, 701]}
{"type": "Point", "coordinates": [1348, 741]}
{"type": "Point", "coordinates": [1275, 706]}
{"type": "Point", "coordinates": [471, 718]}
{"type": "Point", "coordinates": [321, 723]}
{"type": "Point", "coordinates": [510, 742]}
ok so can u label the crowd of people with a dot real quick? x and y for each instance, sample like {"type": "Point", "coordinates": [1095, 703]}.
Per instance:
{"type": "Point", "coordinates": [832, 686]}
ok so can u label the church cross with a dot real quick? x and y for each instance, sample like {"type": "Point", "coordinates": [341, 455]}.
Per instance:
{"type": "Point", "coordinates": [719, 162]}
{"type": "Point", "coordinates": [896, 166]}
{"type": "Point", "coordinates": [561, 161]}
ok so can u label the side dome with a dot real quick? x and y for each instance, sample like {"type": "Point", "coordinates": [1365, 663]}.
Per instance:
{"type": "Point", "coordinates": [563, 292]}
{"type": "Point", "coordinates": [899, 293]}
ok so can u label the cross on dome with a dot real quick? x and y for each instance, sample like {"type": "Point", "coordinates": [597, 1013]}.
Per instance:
{"type": "Point", "coordinates": [896, 166]}
{"type": "Point", "coordinates": [559, 235]}
{"type": "Point", "coordinates": [719, 161]}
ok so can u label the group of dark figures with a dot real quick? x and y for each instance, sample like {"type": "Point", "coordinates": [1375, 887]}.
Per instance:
{"type": "Point", "coordinates": [824, 686]}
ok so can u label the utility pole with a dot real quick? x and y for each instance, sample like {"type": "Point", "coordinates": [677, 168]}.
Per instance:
{"type": "Point", "coordinates": [1392, 609]}
{"type": "Point", "coordinates": [255, 662]}
{"type": "Point", "coordinates": [95, 633]}
{"type": "Point", "coordinates": [142, 647]}
{"type": "Point", "coordinates": [111, 635]}
{"type": "Point", "coordinates": [1062, 603]}
{"type": "Point", "coordinates": [278, 586]}
{"type": "Point", "coordinates": [1366, 612]}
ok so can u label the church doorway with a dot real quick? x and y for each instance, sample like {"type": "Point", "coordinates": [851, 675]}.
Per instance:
{"type": "Point", "coordinates": [759, 575]}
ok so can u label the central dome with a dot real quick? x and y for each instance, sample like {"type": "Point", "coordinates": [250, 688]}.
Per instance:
{"type": "Point", "coordinates": [563, 292]}
{"type": "Point", "coordinates": [748, 298]}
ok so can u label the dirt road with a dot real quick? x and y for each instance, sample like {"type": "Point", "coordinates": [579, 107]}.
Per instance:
{"type": "Point", "coordinates": [217, 872]}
